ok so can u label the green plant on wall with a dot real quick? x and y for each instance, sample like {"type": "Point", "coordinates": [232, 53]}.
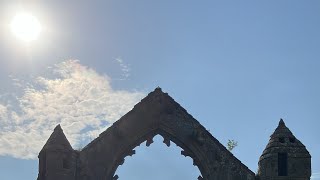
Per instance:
{"type": "Point", "coordinates": [231, 144]}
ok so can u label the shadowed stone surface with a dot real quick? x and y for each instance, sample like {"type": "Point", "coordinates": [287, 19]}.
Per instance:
{"type": "Point", "coordinates": [156, 114]}
{"type": "Point", "coordinates": [57, 159]}
{"type": "Point", "coordinates": [285, 157]}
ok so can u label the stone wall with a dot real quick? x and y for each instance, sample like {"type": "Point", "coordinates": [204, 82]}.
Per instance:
{"type": "Point", "coordinates": [159, 114]}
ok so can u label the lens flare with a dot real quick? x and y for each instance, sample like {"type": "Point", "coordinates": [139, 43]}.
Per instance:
{"type": "Point", "coordinates": [25, 27]}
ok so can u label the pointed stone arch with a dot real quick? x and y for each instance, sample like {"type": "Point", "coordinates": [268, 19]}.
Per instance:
{"type": "Point", "coordinates": [156, 114]}
{"type": "Point", "coordinates": [159, 114]}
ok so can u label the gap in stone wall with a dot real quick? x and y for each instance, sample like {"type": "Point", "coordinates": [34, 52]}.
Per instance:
{"type": "Point", "coordinates": [158, 162]}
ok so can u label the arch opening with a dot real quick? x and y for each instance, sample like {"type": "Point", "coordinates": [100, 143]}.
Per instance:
{"type": "Point", "coordinates": [154, 158]}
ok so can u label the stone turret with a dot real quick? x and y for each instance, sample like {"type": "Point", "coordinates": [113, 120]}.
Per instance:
{"type": "Point", "coordinates": [285, 157]}
{"type": "Point", "coordinates": [57, 159]}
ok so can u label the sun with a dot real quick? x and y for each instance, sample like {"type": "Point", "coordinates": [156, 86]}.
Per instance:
{"type": "Point", "coordinates": [25, 27]}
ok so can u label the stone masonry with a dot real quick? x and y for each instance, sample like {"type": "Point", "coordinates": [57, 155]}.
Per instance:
{"type": "Point", "coordinates": [285, 157]}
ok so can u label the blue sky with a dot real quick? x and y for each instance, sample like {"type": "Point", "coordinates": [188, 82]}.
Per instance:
{"type": "Point", "coordinates": [236, 66]}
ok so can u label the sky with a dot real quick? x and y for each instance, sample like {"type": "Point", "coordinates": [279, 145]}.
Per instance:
{"type": "Point", "coordinates": [236, 66]}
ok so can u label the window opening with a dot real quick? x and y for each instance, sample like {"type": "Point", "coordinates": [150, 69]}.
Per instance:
{"type": "Point", "coordinates": [292, 140]}
{"type": "Point", "coordinates": [158, 162]}
{"type": "Point", "coordinates": [281, 140]}
{"type": "Point", "coordinates": [282, 164]}
{"type": "Point", "coordinates": [66, 164]}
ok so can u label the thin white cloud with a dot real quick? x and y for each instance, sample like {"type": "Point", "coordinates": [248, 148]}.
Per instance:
{"type": "Point", "coordinates": [125, 68]}
{"type": "Point", "coordinates": [78, 98]}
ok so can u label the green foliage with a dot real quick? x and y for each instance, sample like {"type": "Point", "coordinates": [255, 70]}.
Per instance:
{"type": "Point", "coordinates": [231, 144]}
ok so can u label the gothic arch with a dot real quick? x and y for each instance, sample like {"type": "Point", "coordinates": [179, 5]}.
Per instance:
{"type": "Point", "coordinates": [156, 114]}
{"type": "Point", "coordinates": [148, 139]}
{"type": "Point", "coordinates": [159, 114]}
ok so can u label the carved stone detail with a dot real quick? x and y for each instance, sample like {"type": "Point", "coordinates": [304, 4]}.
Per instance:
{"type": "Point", "coordinates": [156, 114]}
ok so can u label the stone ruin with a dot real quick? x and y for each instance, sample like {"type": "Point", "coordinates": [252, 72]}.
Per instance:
{"type": "Point", "coordinates": [284, 158]}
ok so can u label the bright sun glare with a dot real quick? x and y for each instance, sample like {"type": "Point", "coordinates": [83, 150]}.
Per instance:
{"type": "Point", "coordinates": [25, 27]}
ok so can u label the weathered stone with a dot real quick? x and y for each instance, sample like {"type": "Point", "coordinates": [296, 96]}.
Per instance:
{"type": "Point", "coordinates": [285, 157]}
{"type": "Point", "coordinates": [159, 114]}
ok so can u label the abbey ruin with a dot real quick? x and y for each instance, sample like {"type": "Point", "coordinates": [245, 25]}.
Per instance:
{"type": "Point", "coordinates": [284, 158]}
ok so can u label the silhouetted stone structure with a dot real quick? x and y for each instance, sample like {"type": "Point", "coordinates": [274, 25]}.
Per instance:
{"type": "Point", "coordinates": [285, 157]}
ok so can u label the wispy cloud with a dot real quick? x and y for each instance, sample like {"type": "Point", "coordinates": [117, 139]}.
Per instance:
{"type": "Point", "coordinates": [125, 68]}
{"type": "Point", "coordinates": [315, 176]}
{"type": "Point", "coordinates": [78, 98]}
